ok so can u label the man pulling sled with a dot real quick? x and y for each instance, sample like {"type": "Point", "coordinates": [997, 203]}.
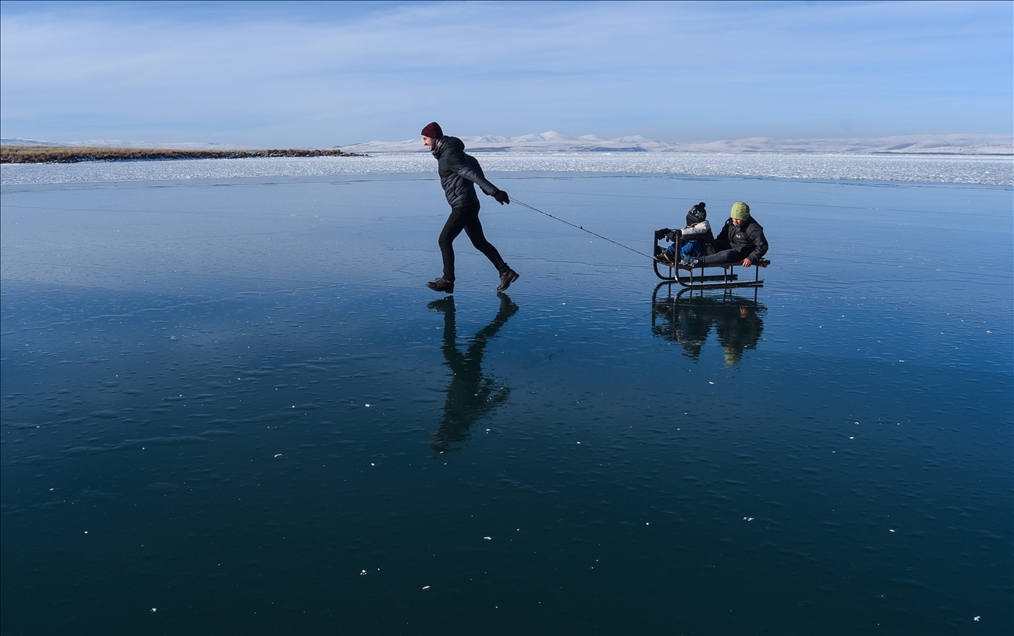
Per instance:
{"type": "Point", "coordinates": [459, 173]}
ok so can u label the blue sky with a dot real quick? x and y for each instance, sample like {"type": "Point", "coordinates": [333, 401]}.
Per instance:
{"type": "Point", "coordinates": [322, 75]}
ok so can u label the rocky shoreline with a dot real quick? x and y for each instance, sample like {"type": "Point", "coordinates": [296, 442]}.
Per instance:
{"type": "Point", "coordinates": [76, 154]}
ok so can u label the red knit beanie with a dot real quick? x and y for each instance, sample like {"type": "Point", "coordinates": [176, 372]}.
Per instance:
{"type": "Point", "coordinates": [432, 130]}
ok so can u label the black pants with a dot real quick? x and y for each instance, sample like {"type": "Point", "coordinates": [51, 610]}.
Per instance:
{"type": "Point", "coordinates": [725, 254]}
{"type": "Point", "coordinates": [465, 218]}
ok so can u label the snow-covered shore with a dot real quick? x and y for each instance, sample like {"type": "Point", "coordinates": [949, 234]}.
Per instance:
{"type": "Point", "coordinates": [983, 170]}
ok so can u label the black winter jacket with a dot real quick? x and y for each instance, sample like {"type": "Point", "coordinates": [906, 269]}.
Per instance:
{"type": "Point", "coordinates": [458, 172]}
{"type": "Point", "coordinates": [747, 238]}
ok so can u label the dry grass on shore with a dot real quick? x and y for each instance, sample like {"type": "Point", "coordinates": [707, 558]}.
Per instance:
{"type": "Point", "coordinates": [73, 154]}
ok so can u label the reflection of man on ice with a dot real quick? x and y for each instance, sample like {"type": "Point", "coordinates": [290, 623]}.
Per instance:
{"type": "Point", "coordinates": [471, 394]}
{"type": "Point", "coordinates": [738, 331]}
{"type": "Point", "coordinates": [458, 172]}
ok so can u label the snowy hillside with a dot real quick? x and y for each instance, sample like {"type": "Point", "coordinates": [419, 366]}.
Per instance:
{"type": "Point", "coordinates": [556, 142]}
{"type": "Point", "coordinates": [553, 142]}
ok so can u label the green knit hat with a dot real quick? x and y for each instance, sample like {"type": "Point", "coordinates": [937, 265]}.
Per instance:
{"type": "Point", "coordinates": [740, 211]}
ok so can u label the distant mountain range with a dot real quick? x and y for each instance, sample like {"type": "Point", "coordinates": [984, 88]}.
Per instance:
{"type": "Point", "coordinates": [557, 142]}
{"type": "Point", "coordinates": [956, 144]}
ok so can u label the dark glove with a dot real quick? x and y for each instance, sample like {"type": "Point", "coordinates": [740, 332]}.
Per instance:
{"type": "Point", "coordinates": [502, 197]}
{"type": "Point", "coordinates": [673, 236]}
{"type": "Point", "coordinates": [662, 233]}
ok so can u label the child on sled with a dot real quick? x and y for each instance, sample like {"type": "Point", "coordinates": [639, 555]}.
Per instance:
{"type": "Point", "coordinates": [697, 238]}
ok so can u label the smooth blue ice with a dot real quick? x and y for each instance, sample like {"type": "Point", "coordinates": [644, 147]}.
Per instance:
{"type": "Point", "coordinates": [231, 406]}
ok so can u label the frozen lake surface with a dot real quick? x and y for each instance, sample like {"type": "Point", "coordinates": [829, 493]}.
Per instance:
{"type": "Point", "coordinates": [231, 406]}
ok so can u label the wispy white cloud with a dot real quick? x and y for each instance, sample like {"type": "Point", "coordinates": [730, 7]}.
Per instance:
{"type": "Point", "coordinates": [315, 75]}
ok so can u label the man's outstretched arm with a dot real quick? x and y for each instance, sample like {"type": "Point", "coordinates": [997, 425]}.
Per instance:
{"type": "Point", "coordinates": [458, 162]}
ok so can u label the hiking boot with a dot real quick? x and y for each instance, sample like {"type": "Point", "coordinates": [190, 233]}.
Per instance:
{"type": "Point", "coordinates": [689, 262]}
{"type": "Point", "coordinates": [507, 277]}
{"type": "Point", "coordinates": [441, 285]}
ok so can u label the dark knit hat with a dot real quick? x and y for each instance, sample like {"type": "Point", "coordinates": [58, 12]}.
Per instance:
{"type": "Point", "coordinates": [432, 130]}
{"type": "Point", "coordinates": [696, 214]}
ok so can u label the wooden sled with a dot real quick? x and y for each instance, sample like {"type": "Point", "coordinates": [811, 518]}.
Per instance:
{"type": "Point", "coordinates": [728, 279]}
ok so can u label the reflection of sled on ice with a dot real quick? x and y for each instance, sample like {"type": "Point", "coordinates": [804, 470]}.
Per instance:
{"type": "Point", "coordinates": [728, 279]}
{"type": "Point", "coordinates": [690, 320]}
